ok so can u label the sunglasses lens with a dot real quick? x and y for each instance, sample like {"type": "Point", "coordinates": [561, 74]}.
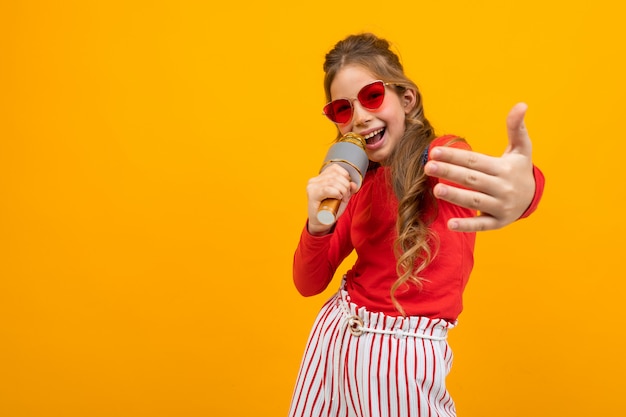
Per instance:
{"type": "Point", "coordinates": [371, 96]}
{"type": "Point", "coordinates": [339, 111]}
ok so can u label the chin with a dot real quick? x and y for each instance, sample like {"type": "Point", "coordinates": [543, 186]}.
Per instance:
{"type": "Point", "coordinates": [378, 157]}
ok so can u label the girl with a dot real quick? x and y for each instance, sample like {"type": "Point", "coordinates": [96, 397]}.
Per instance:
{"type": "Point", "coordinates": [378, 347]}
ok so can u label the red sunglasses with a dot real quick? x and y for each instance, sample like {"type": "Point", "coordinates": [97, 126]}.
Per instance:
{"type": "Point", "coordinates": [371, 97]}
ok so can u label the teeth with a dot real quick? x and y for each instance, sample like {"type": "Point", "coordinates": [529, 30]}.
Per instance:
{"type": "Point", "coordinates": [374, 133]}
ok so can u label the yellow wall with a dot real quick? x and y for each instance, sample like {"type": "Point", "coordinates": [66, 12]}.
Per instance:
{"type": "Point", "coordinates": [153, 159]}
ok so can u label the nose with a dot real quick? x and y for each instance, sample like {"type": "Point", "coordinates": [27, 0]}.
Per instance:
{"type": "Point", "coordinates": [360, 114]}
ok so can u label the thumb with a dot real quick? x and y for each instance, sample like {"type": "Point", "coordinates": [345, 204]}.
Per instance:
{"type": "Point", "coordinates": [519, 141]}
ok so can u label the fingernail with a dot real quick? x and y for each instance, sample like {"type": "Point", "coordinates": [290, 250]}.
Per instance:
{"type": "Point", "coordinates": [436, 152]}
{"type": "Point", "coordinates": [453, 225]}
{"type": "Point", "coordinates": [431, 167]}
{"type": "Point", "coordinates": [440, 190]}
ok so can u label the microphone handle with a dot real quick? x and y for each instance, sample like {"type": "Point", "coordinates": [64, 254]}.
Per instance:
{"type": "Point", "coordinates": [327, 211]}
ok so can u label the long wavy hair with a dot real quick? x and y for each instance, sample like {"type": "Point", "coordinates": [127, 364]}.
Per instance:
{"type": "Point", "coordinates": [415, 245]}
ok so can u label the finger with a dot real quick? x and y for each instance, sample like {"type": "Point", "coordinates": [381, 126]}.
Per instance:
{"type": "Point", "coordinates": [519, 141]}
{"type": "Point", "coordinates": [462, 158]}
{"type": "Point", "coordinates": [469, 199]}
{"type": "Point", "coordinates": [337, 188]}
{"type": "Point", "coordinates": [334, 192]}
{"type": "Point", "coordinates": [340, 190]}
{"type": "Point", "coordinates": [465, 177]}
{"type": "Point", "coordinates": [335, 170]}
{"type": "Point", "coordinates": [334, 173]}
{"type": "Point", "coordinates": [316, 185]}
{"type": "Point", "coordinates": [473, 224]}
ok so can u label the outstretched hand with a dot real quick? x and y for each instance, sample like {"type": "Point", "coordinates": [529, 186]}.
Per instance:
{"type": "Point", "coordinates": [500, 188]}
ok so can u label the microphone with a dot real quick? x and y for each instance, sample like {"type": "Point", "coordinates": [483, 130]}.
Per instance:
{"type": "Point", "coordinates": [348, 152]}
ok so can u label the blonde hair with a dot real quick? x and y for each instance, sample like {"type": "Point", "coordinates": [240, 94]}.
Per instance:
{"type": "Point", "coordinates": [416, 244]}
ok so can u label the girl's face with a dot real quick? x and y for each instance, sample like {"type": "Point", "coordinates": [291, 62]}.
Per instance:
{"type": "Point", "coordinates": [383, 127]}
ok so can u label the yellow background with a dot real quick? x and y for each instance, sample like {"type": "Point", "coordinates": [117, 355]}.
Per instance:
{"type": "Point", "coordinates": [153, 160]}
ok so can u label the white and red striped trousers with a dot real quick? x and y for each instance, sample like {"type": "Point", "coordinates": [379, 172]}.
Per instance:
{"type": "Point", "coordinates": [363, 364]}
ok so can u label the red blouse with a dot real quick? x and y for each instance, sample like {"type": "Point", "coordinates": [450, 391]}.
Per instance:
{"type": "Point", "coordinates": [368, 226]}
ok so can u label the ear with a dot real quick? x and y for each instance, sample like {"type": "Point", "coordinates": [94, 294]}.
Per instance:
{"type": "Point", "coordinates": [409, 99]}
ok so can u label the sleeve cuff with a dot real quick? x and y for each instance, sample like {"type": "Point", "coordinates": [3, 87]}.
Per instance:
{"type": "Point", "coordinates": [539, 185]}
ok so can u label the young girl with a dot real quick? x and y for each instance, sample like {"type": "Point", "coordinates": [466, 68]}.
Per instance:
{"type": "Point", "coordinates": [378, 347]}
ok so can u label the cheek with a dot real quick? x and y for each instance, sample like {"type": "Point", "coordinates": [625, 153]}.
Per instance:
{"type": "Point", "coordinates": [395, 113]}
{"type": "Point", "coordinates": [398, 121]}
{"type": "Point", "coordinates": [345, 129]}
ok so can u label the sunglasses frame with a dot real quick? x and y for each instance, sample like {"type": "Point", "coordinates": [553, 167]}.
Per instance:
{"type": "Point", "coordinates": [350, 101]}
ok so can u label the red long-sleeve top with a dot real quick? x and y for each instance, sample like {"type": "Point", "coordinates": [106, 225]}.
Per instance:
{"type": "Point", "coordinates": [368, 226]}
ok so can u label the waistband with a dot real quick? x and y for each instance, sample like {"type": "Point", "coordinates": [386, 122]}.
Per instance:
{"type": "Point", "coordinates": [359, 321]}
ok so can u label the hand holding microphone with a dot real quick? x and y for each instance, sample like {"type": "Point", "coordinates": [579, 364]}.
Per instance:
{"type": "Point", "coordinates": [349, 153]}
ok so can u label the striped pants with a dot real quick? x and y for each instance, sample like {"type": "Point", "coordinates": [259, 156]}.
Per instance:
{"type": "Point", "coordinates": [363, 364]}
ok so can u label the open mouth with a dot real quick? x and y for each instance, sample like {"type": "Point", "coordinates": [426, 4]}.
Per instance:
{"type": "Point", "coordinates": [374, 137]}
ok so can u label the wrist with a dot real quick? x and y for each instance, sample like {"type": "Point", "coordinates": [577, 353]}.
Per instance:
{"type": "Point", "coordinates": [319, 229]}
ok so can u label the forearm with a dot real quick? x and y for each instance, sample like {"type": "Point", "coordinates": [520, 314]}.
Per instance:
{"type": "Point", "coordinates": [312, 267]}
